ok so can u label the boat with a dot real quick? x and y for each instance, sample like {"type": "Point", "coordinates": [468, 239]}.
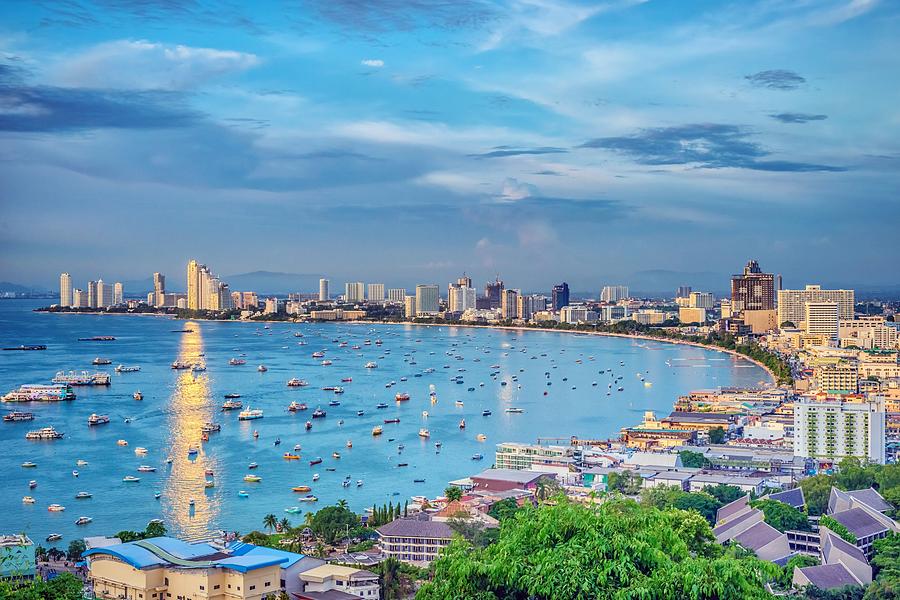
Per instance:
{"type": "Point", "coordinates": [252, 478]}
{"type": "Point", "coordinates": [289, 456]}
{"type": "Point", "coordinates": [418, 481]}
{"type": "Point", "coordinates": [335, 455]}
{"type": "Point", "coordinates": [56, 508]}
{"type": "Point", "coordinates": [131, 479]}
{"type": "Point", "coordinates": [334, 403]}
{"type": "Point", "coordinates": [237, 361]}
{"type": "Point", "coordinates": [25, 348]}
{"type": "Point", "coordinates": [360, 413]}
{"type": "Point", "coordinates": [485, 413]}
{"type": "Point", "coordinates": [326, 363]}
{"type": "Point", "coordinates": [83, 495]}
{"type": "Point", "coordinates": [83, 520]}
{"type": "Point", "coordinates": [262, 368]}
{"type": "Point", "coordinates": [243, 494]}
{"type": "Point", "coordinates": [317, 460]}
{"type": "Point", "coordinates": [146, 469]}
{"type": "Point", "coordinates": [127, 369]}
{"type": "Point", "coordinates": [394, 420]}
{"type": "Point", "coordinates": [44, 433]}
{"type": "Point", "coordinates": [424, 433]}
{"type": "Point", "coordinates": [193, 450]}
{"type": "Point", "coordinates": [359, 482]}
{"type": "Point", "coordinates": [191, 503]}
{"type": "Point", "coordinates": [338, 390]}
{"type": "Point", "coordinates": [318, 413]}
{"type": "Point", "coordinates": [180, 365]}
{"type": "Point", "coordinates": [308, 425]}
{"type": "Point", "coordinates": [101, 361]}
{"type": "Point", "coordinates": [231, 395]}
{"type": "Point", "coordinates": [477, 456]}
{"type": "Point", "coordinates": [480, 437]}
{"type": "Point", "coordinates": [209, 483]}
{"type": "Point", "coordinates": [381, 405]}
{"type": "Point", "coordinates": [250, 414]}
{"type": "Point", "coordinates": [121, 443]}
{"type": "Point", "coordinates": [401, 397]}
{"type": "Point", "coordinates": [402, 464]}
{"type": "Point", "coordinates": [35, 392]}
{"type": "Point", "coordinates": [301, 488]}
{"type": "Point", "coordinates": [296, 406]}
{"type": "Point", "coordinates": [75, 473]}
{"type": "Point", "coordinates": [18, 416]}
{"type": "Point", "coordinates": [315, 476]}
{"type": "Point", "coordinates": [98, 338]}
{"type": "Point", "coordinates": [377, 430]}
{"type": "Point", "coordinates": [294, 382]}
{"type": "Point", "coordinates": [157, 495]}
{"type": "Point", "coordinates": [309, 498]}
{"type": "Point", "coordinates": [293, 510]}
{"type": "Point", "coordinates": [459, 403]}
{"type": "Point", "coordinates": [371, 365]}
{"type": "Point", "coordinates": [318, 354]}
{"type": "Point", "coordinates": [232, 405]}
{"type": "Point", "coordinates": [82, 378]}
{"type": "Point", "coordinates": [515, 410]}
{"type": "Point", "coordinates": [81, 463]}
{"type": "Point", "coordinates": [346, 379]}
{"type": "Point", "coordinates": [425, 414]}
{"type": "Point", "coordinates": [252, 465]}
{"type": "Point", "coordinates": [138, 395]}
{"type": "Point", "coordinates": [209, 473]}
{"type": "Point", "coordinates": [345, 483]}
{"type": "Point", "coordinates": [140, 451]}
{"type": "Point", "coordinates": [349, 443]}
{"type": "Point", "coordinates": [211, 428]}
{"type": "Point", "coordinates": [54, 537]}
{"type": "Point", "coordinates": [27, 500]}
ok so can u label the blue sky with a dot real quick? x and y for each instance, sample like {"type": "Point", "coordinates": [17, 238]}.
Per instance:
{"type": "Point", "coordinates": [410, 140]}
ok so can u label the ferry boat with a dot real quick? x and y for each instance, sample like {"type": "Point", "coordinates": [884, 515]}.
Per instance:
{"type": "Point", "coordinates": [424, 433]}
{"type": "Point", "coordinates": [40, 393]}
{"type": "Point", "coordinates": [44, 433]}
{"type": "Point", "coordinates": [127, 369]}
{"type": "Point", "coordinates": [377, 430]}
{"type": "Point", "coordinates": [301, 488]}
{"type": "Point", "coordinates": [179, 365]}
{"type": "Point", "coordinates": [83, 495]}
{"type": "Point", "coordinates": [318, 413]}
{"type": "Point", "coordinates": [232, 405]}
{"type": "Point", "coordinates": [401, 397]}
{"type": "Point", "coordinates": [294, 382]}
{"type": "Point", "coordinates": [317, 460]}
{"type": "Point", "coordinates": [138, 395]}
{"type": "Point", "coordinates": [56, 508]}
{"type": "Point", "coordinates": [83, 520]}
{"type": "Point", "coordinates": [371, 365]}
{"type": "Point", "coordinates": [101, 361]}
{"type": "Point", "coordinates": [82, 378]}
{"type": "Point", "coordinates": [96, 419]}
{"type": "Point", "coordinates": [146, 469]}
{"type": "Point", "coordinates": [515, 410]}
{"type": "Point", "coordinates": [231, 396]}
{"type": "Point", "coordinates": [237, 361]}
{"type": "Point", "coordinates": [211, 428]}
{"type": "Point", "coordinates": [252, 478]}
{"type": "Point", "coordinates": [296, 406]}
{"type": "Point", "coordinates": [18, 416]}
{"type": "Point", "coordinates": [394, 420]}
{"type": "Point", "coordinates": [262, 368]}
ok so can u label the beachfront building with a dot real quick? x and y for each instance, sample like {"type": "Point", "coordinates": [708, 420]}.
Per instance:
{"type": "Point", "coordinates": [65, 289]}
{"type": "Point", "coordinates": [416, 540]}
{"type": "Point", "coordinates": [323, 290]}
{"type": "Point", "coordinates": [521, 457]}
{"type": "Point", "coordinates": [428, 300]}
{"type": "Point", "coordinates": [832, 428]}
{"type": "Point", "coordinates": [16, 557]}
{"type": "Point", "coordinates": [354, 291]}
{"type": "Point", "coordinates": [168, 568]}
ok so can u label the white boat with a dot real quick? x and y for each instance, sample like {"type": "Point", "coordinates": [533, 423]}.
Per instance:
{"type": "Point", "coordinates": [146, 469]}
{"type": "Point", "coordinates": [82, 378]}
{"type": "Point", "coordinates": [262, 368]}
{"type": "Point", "coordinates": [371, 365]}
{"type": "Point", "coordinates": [198, 368]}
{"type": "Point", "coordinates": [96, 419]}
{"type": "Point", "coordinates": [122, 443]}
{"type": "Point", "coordinates": [27, 500]}
{"type": "Point", "coordinates": [138, 395]}
{"type": "Point", "coordinates": [250, 414]}
{"type": "Point", "coordinates": [44, 433]}
{"type": "Point", "coordinates": [140, 451]}
{"type": "Point", "coordinates": [56, 508]}
{"type": "Point", "coordinates": [131, 479]}
{"type": "Point", "coordinates": [81, 463]}
{"type": "Point", "coordinates": [515, 410]}
{"type": "Point", "coordinates": [294, 382]}
{"type": "Point", "coordinates": [83, 520]}
{"type": "Point", "coordinates": [180, 365]}
{"type": "Point", "coordinates": [424, 433]}
{"type": "Point", "coordinates": [83, 495]}
{"type": "Point", "coordinates": [127, 369]}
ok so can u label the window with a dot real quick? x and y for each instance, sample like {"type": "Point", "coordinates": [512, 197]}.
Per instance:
{"type": "Point", "coordinates": [217, 586]}
{"type": "Point", "coordinates": [202, 588]}
{"type": "Point", "coordinates": [252, 587]}
{"type": "Point", "coordinates": [268, 583]}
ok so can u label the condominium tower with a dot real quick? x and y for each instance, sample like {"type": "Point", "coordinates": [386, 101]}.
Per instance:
{"type": "Point", "coordinates": [375, 292]}
{"type": "Point", "coordinates": [752, 290]}
{"type": "Point", "coordinates": [428, 300]}
{"type": "Point", "coordinates": [560, 295]}
{"type": "Point", "coordinates": [354, 291]}
{"type": "Point", "coordinates": [791, 303]}
{"type": "Point", "coordinates": [159, 289]}
{"type": "Point", "coordinates": [509, 304]}
{"type": "Point", "coordinates": [65, 290]}
{"type": "Point", "coordinates": [614, 293]}
{"type": "Point", "coordinates": [836, 428]}
{"type": "Point", "coordinates": [323, 290]}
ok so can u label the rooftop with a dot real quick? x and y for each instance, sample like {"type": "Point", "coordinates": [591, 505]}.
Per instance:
{"type": "Point", "coordinates": [757, 536]}
{"type": "Point", "coordinates": [416, 528]}
{"type": "Point", "coordinates": [872, 498]}
{"type": "Point", "coordinates": [511, 475]}
{"type": "Point", "coordinates": [792, 497]}
{"type": "Point", "coordinates": [859, 522]}
{"type": "Point", "coordinates": [828, 577]}
{"type": "Point", "coordinates": [330, 570]}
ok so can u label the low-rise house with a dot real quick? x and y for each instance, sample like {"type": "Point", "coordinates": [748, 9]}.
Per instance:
{"type": "Point", "coordinates": [745, 483]}
{"type": "Point", "coordinates": [500, 480]}
{"type": "Point", "coordinates": [740, 523]}
{"type": "Point", "coordinates": [357, 583]}
{"type": "Point", "coordinates": [417, 541]}
{"type": "Point", "coordinates": [678, 479]}
{"type": "Point", "coordinates": [854, 511]}
{"type": "Point", "coordinates": [843, 564]}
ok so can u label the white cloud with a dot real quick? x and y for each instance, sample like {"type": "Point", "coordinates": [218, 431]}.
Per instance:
{"type": "Point", "coordinates": [139, 64]}
{"type": "Point", "coordinates": [373, 62]}
{"type": "Point", "coordinates": [514, 190]}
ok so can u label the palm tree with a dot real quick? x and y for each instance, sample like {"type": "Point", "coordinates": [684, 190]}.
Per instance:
{"type": "Point", "coordinates": [453, 493]}
{"type": "Point", "coordinates": [342, 503]}
{"type": "Point", "coordinates": [284, 525]}
{"type": "Point", "coordinates": [270, 521]}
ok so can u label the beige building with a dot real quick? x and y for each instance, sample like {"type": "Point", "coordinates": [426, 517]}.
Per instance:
{"type": "Point", "coordinates": [792, 303]}
{"type": "Point", "coordinates": [761, 321]}
{"type": "Point", "coordinates": [868, 333]}
{"type": "Point", "coordinates": [822, 318]}
{"type": "Point", "coordinates": [350, 580]}
{"type": "Point", "coordinates": [692, 315]}
{"type": "Point", "coordinates": [837, 377]}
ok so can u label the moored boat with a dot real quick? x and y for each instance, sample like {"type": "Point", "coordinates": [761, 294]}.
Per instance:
{"type": "Point", "coordinates": [44, 433]}
{"type": "Point", "coordinates": [250, 414]}
{"type": "Point", "coordinates": [18, 416]}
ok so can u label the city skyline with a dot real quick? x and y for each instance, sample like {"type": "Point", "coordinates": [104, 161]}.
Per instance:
{"type": "Point", "coordinates": [538, 140]}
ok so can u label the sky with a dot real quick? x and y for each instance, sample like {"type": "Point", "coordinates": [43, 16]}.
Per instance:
{"type": "Point", "coordinates": [409, 141]}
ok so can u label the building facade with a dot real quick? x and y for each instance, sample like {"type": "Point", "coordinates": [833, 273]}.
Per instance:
{"type": "Point", "coordinates": [560, 295]}
{"type": "Point", "coordinates": [792, 303]}
{"type": "Point", "coordinates": [613, 293]}
{"type": "Point", "coordinates": [752, 290]}
{"type": "Point", "coordinates": [323, 290]}
{"type": "Point", "coordinates": [832, 428]}
{"type": "Point", "coordinates": [354, 291]}
{"type": "Point", "coordinates": [65, 290]}
{"type": "Point", "coordinates": [159, 289]}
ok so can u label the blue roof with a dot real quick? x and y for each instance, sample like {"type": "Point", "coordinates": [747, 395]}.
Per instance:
{"type": "Point", "coordinates": [162, 551]}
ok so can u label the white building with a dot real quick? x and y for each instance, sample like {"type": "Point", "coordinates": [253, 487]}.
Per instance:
{"type": "Point", "coordinates": [577, 314]}
{"type": "Point", "coordinates": [792, 303]}
{"type": "Point", "coordinates": [460, 297]}
{"type": "Point", "coordinates": [104, 294]}
{"type": "Point", "coordinates": [822, 318]}
{"type": "Point", "coordinates": [612, 313]}
{"type": "Point", "coordinates": [323, 290]}
{"type": "Point", "coordinates": [65, 290]}
{"type": "Point", "coordinates": [428, 300]}
{"type": "Point", "coordinates": [409, 306]}
{"type": "Point", "coordinates": [376, 292]}
{"type": "Point", "coordinates": [79, 298]}
{"type": "Point", "coordinates": [349, 580]}
{"type": "Point", "coordinates": [526, 307]}
{"type": "Point", "coordinates": [271, 306]}
{"type": "Point", "coordinates": [355, 291]}
{"type": "Point", "coordinates": [118, 293]}
{"type": "Point", "coordinates": [396, 295]}
{"type": "Point", "coordinates": [614, 293]}
{"type": "Point", "coordinates": [701, 300]}
{"type": "Point", "coordinates": [835, 428]}
{"type": "Point", "coordinates": [867, 333]}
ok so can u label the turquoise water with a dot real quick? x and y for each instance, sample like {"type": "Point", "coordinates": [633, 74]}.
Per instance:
{"type": "Point", "coordinates": [177, 403]}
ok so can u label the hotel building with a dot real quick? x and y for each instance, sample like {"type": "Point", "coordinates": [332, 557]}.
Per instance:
{"type": "Point", "coordinates": [376, 292]}
{"type": "Point", "coordinates": [159, 289]}
{"type": "Point", "coordinates": [509, 304]}
{"type": "Point", "coordinates": [822, 318]}
{"type": "Point", "coordinates": [792, 303]}
{"type": "Point", "coordinates": [354, 291]}
{"type": "Point", "coordinates": [752, 290]}
{"type": "Point", "coordinates": [614, 293]}
{"type": "Point", "coordinates": [829, 428]}
{"type": "Point", "coordinates": [415, 541]}
{"type": "Point", "coordinates": [397, 295]}
{"type": "Point", "coordinates": [428, 300]}
{"type": "Point", "coordinates": [323, 290]}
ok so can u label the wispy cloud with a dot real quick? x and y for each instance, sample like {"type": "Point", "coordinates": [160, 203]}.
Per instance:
{"type": "Point", "coordinates": [372, 62]}
{"type": "Point", "coordinates": [776, 79]}
{"type": "Point", "coordinates": [792, 117]}
{"type": "Point", "coordinates": [704, 145]}
{"type": "Point", "coordinates": [503, 151]}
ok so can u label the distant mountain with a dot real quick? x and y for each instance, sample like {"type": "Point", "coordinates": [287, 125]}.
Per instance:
{"type": "Point", "coordinates": [8, 287]}
{"type": "Point", "coordinates": [269, 282]}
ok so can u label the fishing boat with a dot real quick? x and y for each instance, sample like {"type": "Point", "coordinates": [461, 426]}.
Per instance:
{"type": "Point", "coordinates": [131, 479]}
{"type": "Point", "coordinates": [424, 433]}
{"type": "Point", "coordinates": [83, 520]}
{"type": "Point", "coordinates": [127, 369]}
{"type": "Point", "coordinates": [294, 382]}
{"type": "Point", "coordinates": [317, 460]}
{"type": "Point", "coordinates": [377, 430]}
{"type": "Point", "coordinates": [18, 416]}
{"type": "Point", "coordinates": [318, 413]}
{"type": "Point", "coordinates": [232, 405]}
{"type": "Point", "coordinates": [96, 419]}
{"type": "Point", "coordinates": [250, 414]}
{"type": "Point", "coordinates": [138, 395]}
{"type": "Point", "coordinates": [262, 368]}
{"type": "Point", "coordinates": [83, 495]}
{"type": "Point", "coordinates": [27, 500]}
{"type": "Point", "coordinates": [289, 456]}
{"type": "Point", "coordinates": [252, 478]}
{"type": "Point", "coordinates": [301, 488]}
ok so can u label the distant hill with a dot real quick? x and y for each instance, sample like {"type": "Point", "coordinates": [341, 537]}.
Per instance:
{"type": "Point", "coordinates": [270, 282]}
{"type": "Point", "coordinates": [15, 288]}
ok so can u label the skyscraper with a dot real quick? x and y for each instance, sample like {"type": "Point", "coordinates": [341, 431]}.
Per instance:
{"type": "Point", "coordinates": [822, 318]}
{"type": "Point", "coordinates": [509, 304]}
{"type": "Point", "coordinates": [791, 303]}
{"type": "Point", "coordinates": [323, 290]}
{"type": "Point", "coordinates": [159, 289]}
{"type": "Point", "coordinates": [355, 291]}
{"type": "Point", "coordinates": [701, 300]}
{"type": "Point", "coordinates": [397, 295]}
{"type": "Point", "coordinates": [492, 291]}
{"type": "Point", "coordinates": [683, 291]}
{"type": "Point", "coordinates": [65, 290]}
{"type": "Point", "coordinates": [375, 292]}
{"type": "Point", "coordinates": [460, 297]}
{"type": "Point", "coordinates": [464, 281]}
{"type": "Point", "coordinates": [118, 293]}
{"type": "Point", "coordinates": [614, 293]}
{"type": "Point", "coordinates": [428, 300]}
{"type": "Point", "coordinates": [79, 298]}
{"type": "Point", "coordinates": [205, 291]}
{"type": "Point", "coordinates": [193, 285]}
{"type": "Point", "coordinates": [560, 295]}
{"type": "Point", "coordinates": [752, 290]}
{"type": "Point", "coordinates": [92, 294]}
{"type": "Point", "coordinates": [526, 307]}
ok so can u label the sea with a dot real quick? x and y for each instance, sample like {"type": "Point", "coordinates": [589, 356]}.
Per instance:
{"type": "Point", "coordinates": [566, 384]}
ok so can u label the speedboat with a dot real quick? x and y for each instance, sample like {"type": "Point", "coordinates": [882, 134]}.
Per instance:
{"type": "Point", "coordinates": [101, 361]}
{"type": "Point", "coordinates": [140, 451]}
{"type": "Point", "coordinates": [180, 365]}
{"type": "Point", "coordinates": [74, 473]}
{"type": "Point", "coordinates": [480, 437]}
{"type": "Point", "coordinates": [485, 413]}
{"type": "Point", "coordinates": [83, 520]}
{"type": "Point", "coordinates": [309, 498]}
{"type": "Point", "coordinates": [293, 510]}
{"type": "Point", "coordinates": [81, 463]}
{"type": "Point", "coordinates": [371, 365]}
{"type": "Point", "coordinates": [315, 477]}
{"type": "Point", "coordinates": [131, 479]}
{"type": "Point", "coordinates": [231, 396]}
{"type": "Point", "coordinates": [289, 456]}
{"type": "Point", "coordinates": [252, 478]}
{"type": "Point", "coordinates": [243, 494]}
{"type": "Point", "coordinates": [32, 484]}
{"type": "Point", "coordinates": [318, 413]}
{"type": "Point", "coordinates": [198, 368]}
{"type": "Point", "coordinates": [146, 469]}
{"type": "Point", "coordinates": [395, 420]}
{"type": "Point", "coordinates": [56, 508]}
{"type": "Point", "coordinates": [252, 465]}
{"type": "Point", "coordinates": [477, 456]}
{"type": "Point", "coordinates": [335, 455]}
{"type": "Point", "coordinates": [359, 482]}
{"type": "Point", "coordinates": [83, 495]}
{"type": "Point", "coordinates": [262, 368]}
{"type": "Point", "coordinates": [377, 430]}
{"type": "Point", "coordinates": [381, 405]}
{"type": "Point", "coordinates": [308, 425]}
{"type": "Point", "coordinates": [424, 433]}
{"type": "Point", "coordinates": [29, 465]}
{"type": "Point", "coordinates": [360, 413]}
{"type": "Point", "coordinates": [122, 443]}
{"type": "Point", "coordinates": [54, 537]}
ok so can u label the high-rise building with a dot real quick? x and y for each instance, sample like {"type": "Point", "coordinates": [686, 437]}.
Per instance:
{"type": "Point", "coordinates": [79, 298]}
{"type": "Point", "coordinates": [836, 428]}
{"type": "Point", "coordinates": [822, 318]}
{"type": "Point", "coordinates": [409, 306]}
{"type": "Point", "coordinates": [701, 300]}
{"type": "Point", "coordinates": [464, 281]}
{"type": "Point", "coordinates": [752, 290]}
{"type": "Point", "coordinates": [104, 294]}
{"type": "Point", "coordinates": [193, 285]}
{"type": "Point", "coordinates": [613, 293]}
{"type": "Point", "coordinates": [509, 304]}
{"type": "Point", "coordinates": [118, 293]}
{"type": "Point", "coordinates": [205, 291]}
{"type": "Point", "coordinates": [354, 291]}
{"type": "Point", "coordinates": [683, 291]}
{"type": "Point", "coordinates": [159, 289]}
{"type": "Point", "coordinates": [428, 300]}
{"type": "Point", "coordinates": [526, 307]}
{"type": "Point", "coordinates": [92, 294]}
{"type": "Point", "coordinates": [323, 290]}
{"type": "Point", "coordinates": [65, 290]}
{"type": "Point", "coordinates": [396, 295]}
{"type": "Point", "coordinates": [560, 295]}
{"type": "Point", "coordinates": [492, 291]}
{"type": "Point", "coordinates": [460, 297]}
{"type": "Point", "coordinates": [791, 303]}
{"type": "Point", "coordinates": [375, 292]}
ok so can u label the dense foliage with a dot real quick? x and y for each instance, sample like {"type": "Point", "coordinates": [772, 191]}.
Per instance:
{"type": "Point", "coordinates": [851, 474]}
{"type": "Point", "coordinates": [693, 460]}
{"type": "Point", "coordinates": [781, 516]}
{"type": "Point", "coordinates": [838, 528]}
{"type": "Point", "coordinates": [64, 587]}
{"type": "Point", "coordinates": [332, 522]}
{"type": "Point", "coordinates": [619, 549]}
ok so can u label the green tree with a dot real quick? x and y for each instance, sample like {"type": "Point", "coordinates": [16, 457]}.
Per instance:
{"type": "Point", "coordinates": [155, 529]}
{"type": "Point", "coordinates": [800, 560]}
{"type": "Point", "coordinates": [816, 490]}
{"type": "Point", "coordinates": [852, 475]}
{"type": "Point", "coordinates": [63, 587]}
{"type": "Point", "coordinates": [257, 538]}
{"type": "Point", "coordinates": [662, 496]}
{"type": "Point", "coordinates": [546, 488]}
{"type": "Point", "coordinates": [270, 521]}
{"type": "Point", "coordinates": [618, 549]}
{"type": "Point", "coordinates": [694, 460]}
{"type": "Point", "coordinates": [76, 549]}
{"type": "Point", "coordinates": [716, 435]}
{"type": "Point", "coordinates": [284, 525]}
{"type": "Point", "coordinates": [886, 559]}
{"type": "Point", "coordinates": [701, 502]}
{"type": "Point", "coordinates": [625, 482]}
{"type": "Point", "coordinates": [838, 528]}
{"type": "Point", "coordinates": [725, 494]}
{"type": "Point", "coordinates": [332, 522]}
{"type": "Point", "coordinates": [342, 503]}
{"type": "Point", "coordinates": [452, 493]}
{"type": "Point", "coordinates": [781, 516]}
{"type": "Point", "coordinates": [504, 509]}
